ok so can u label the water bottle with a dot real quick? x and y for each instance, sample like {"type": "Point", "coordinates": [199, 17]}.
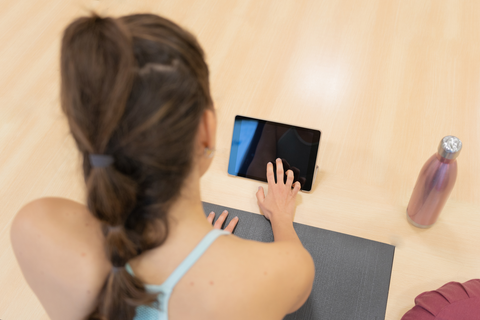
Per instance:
{"type": "Point", "coordinates": [434, 184]}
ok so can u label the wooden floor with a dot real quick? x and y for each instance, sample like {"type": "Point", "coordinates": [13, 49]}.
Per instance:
{"type": "Point", "coordinates": [384, 80]}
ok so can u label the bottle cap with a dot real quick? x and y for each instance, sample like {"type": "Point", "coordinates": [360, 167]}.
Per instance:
{"type": "Point", "coordinates": [450, 147]}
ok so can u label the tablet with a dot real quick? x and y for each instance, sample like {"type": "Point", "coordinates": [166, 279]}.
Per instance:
{"type": "Point", "coordinates": [256, 142]}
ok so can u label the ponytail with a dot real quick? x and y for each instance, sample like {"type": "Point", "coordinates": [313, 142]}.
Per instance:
{"type": "Point", "coordinates": [97, 69]}
{"type": "Point", "coordinates": [134, 88]}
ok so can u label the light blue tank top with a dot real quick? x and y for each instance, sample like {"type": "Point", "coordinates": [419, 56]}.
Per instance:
{"type": "Point", "coordinates": [166, 288]}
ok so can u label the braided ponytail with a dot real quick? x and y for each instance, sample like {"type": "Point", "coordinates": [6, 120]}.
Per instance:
{"type": "Point", "coordinates": [133, 88]}
{"type": "Point", "coordinates": [97, 75]}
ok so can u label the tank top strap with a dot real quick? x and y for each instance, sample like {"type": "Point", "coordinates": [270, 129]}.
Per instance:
{"type": "Point", "coordinates": [189, 261]}
{"type": "Point", "coordinates": [193, 257]}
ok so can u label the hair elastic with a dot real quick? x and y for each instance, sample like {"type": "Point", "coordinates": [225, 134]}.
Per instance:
{"type": "Point", "coordinates": [100, 160]}
{"type": "Point", "coordinates": [116, 269]}
{"type": "Point", "coordinates": [115, 228]}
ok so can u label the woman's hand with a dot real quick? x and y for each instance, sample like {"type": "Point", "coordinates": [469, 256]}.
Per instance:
{"type": "Point", "coordinates": [221, 219]}
{"type": "Point", "coordinates": [279, 204]}
{"type": "Point", "coordinates": [296, 172]}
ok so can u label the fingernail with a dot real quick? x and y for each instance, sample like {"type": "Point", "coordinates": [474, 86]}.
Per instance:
{"type": "Point", "coordinates": [224, 211]}
{"type": "Point", "coordinates": [236, 217]}
{"type": "Point", "coordinates": [212, 212]}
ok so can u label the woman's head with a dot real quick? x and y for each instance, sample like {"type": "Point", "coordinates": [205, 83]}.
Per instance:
{"type": "Point", "coordinates": [135, 88]}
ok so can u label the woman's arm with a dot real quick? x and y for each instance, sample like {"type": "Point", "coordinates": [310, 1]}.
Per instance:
{"type": "Point", "coordinates": [279, 204]}
{"type": "Point", "coordinates": [279, 207]}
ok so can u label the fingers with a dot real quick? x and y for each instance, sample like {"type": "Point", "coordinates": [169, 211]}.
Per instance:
{"type": "Point", "coordinates": [221, 219]}
{"type": "Point", "coordinates": [232, 225]}
{"type": "Point", "coordinates": [270, 175]}
{"type": "Point", "coordinates": [296, 188]}
{"type": "Point", "coordinates": [296, 171]}
{"type": "Point", "coordinates": [289, 178]}
{"type": "Point", "coordinates": [279, 171]}
{"type": "Point", "coordinates": [260, 195]}
{"type": "Point", "coordinates": [210, 217]}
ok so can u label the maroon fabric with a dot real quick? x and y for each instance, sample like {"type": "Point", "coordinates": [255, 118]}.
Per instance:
{"type": "Point", "coordinates": [453, 301]}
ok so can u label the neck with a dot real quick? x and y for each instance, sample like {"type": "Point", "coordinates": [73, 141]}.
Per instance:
{"type": "Point", "coordinates": [186, 214]}
{"type": "Point", "coordinates": [186, 222]}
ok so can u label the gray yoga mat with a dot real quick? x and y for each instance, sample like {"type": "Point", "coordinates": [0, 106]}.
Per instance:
{"type": "Point", "coordinates": [352, 275]}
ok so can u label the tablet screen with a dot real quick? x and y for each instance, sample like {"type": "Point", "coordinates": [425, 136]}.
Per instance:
{"type": "Point", "coordinates": [256, 142]}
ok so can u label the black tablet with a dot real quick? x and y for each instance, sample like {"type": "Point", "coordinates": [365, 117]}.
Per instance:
{"type": "Point", "coordinates": [256, 142]}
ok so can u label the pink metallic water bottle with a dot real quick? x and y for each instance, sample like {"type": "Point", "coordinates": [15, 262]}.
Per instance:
{"type": "Point", "coordinates": [434, 184]}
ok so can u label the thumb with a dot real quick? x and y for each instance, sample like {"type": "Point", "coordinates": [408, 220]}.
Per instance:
{"type": "Point", "coordinates": [260, 195]}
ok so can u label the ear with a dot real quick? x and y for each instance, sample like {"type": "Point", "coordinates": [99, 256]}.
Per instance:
{"type": "Point", "coordinates": [206, 139]}
{"type": "Point", "coordinates": [206, 130]}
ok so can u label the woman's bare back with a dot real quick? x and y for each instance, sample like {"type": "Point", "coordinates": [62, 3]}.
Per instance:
{"type": "Point", "coordinates": [231, 274]}
{"type": "Point", "coordinates": [57, 238]}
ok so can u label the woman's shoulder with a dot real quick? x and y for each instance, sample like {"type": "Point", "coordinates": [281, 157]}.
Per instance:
{"type": "Point", "coordinates": [53, 239]}
{"type": "Point", "coordinates": [268, 277]}
{"type": "Point", "coordinates": [269, 257]}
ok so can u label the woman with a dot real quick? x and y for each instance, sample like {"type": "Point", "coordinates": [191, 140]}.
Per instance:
{"type": "Point", "coordinates": [135, 92]}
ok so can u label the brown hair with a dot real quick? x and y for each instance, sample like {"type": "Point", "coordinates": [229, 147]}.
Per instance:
{"type": "Point", "coordinates": [134, 88]}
